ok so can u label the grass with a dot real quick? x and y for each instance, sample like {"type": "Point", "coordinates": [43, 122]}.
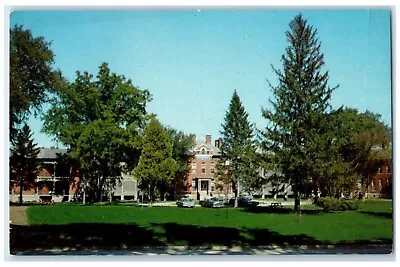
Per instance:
{"type": "Point", "coordinates": [120, 227]}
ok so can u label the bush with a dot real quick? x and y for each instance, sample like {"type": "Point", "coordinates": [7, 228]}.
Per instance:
{"type": "Point", "coordinates": [334, 204]}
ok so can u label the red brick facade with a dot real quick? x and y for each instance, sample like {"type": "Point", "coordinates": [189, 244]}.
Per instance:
{"type": "Point", "coordinates": [381, 181]}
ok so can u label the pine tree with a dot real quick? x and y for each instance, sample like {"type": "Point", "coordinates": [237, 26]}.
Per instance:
{"type": "Point", "coordinates": [156, 167]}
{"type": "Point", "coordinates": [23, 161]}
{"type": "Point", "coordinates": [238, 148]}
{"type": "Point", "coordinates": [297, 116]}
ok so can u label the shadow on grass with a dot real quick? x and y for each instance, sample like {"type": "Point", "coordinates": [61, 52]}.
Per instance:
{"type": "Point", "coordinates": [88, 238]}
{"type": "Point", "coordinates": [386, 215]}
{"type": "Point", "coordinates": [80, 236]}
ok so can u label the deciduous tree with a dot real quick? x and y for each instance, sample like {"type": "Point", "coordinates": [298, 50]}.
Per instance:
{"type": "Point", "coordinates": [32, 75]}
{"type": "Point", "coordinates": [101, 121]}
{"type": "Point", "coordinates": [182, 151]}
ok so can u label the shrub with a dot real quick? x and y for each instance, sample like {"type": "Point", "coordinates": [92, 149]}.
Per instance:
{"type": "Point", "coordinates": [334, 204]}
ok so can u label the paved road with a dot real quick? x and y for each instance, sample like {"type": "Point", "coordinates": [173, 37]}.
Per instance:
{"type": "Point", "coordinates": [263, 203]}
{"type": "Point", "coordinates": [384, 250]}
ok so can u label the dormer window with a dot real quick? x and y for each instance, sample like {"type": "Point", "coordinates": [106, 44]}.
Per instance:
{"type": "Point", "coordinates": [203, 151]}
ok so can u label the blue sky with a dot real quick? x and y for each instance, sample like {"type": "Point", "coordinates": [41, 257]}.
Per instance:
{"type": "Point", "coordinates": [193, 61]}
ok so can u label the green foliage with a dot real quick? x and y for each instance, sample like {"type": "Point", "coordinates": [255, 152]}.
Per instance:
{"type": "Point", "coordinates": [367, 143]}
{"type": "Point", "coordinates": [156, 168]}
{"type": "Point", "coordinates": [101, 121]}
{"type": "Point", "coordinates": [238, 148]}
{"type": "Point", "coordinates": [23, 160]}
{"type": "Point", "coordinates": [296, 120]}
{"type": "Point", "coordinates": [334, 204]}
{"type": "Point", "coordinates": [31, 75]}
{"type": "Point", "coordinates": [182, 146]}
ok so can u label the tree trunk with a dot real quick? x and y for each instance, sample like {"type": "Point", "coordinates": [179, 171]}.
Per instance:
{"type": "Point", "coordinates": [21, 187]}
{"type": "Point", "coordinates": [297, 204]}
{"type": "Point", "coordinates": [297, 198]}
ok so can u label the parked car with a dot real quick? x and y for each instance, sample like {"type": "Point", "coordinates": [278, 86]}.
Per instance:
{"type": "Point", "coordinates": [185, 202]}
{"type": "Point", "coordinates": [213, 203]}
{"type": "Point", "coordinates": [244, 201]}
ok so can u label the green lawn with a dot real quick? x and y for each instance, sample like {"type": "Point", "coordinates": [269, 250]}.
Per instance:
{"type": "Point", "coordinates": [119, 227]}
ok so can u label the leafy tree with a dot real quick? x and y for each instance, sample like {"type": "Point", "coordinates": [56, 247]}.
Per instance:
{"type": "Point", "coordinates": [31, 75]}
{"type": "Point", "coordinates": [23, 161]}
{"type": "Point", "coordinates": [367, 145]}
{"type": "Point", "coordinates": [301, 100]}
{"type": "Point", "coordinates": [238, 147]}
{"type": "Point", "coordinates": [331, 173]}
{"type": "Point", "coordinates": [156, 167]}
{"type": "Point", "coordinates": [182, 146]}
{"type": "Point", "coordinates": [101, 121]}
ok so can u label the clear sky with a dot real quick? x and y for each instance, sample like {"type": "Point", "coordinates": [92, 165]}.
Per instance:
{"type": "Point", "coordinates": [192, 61]}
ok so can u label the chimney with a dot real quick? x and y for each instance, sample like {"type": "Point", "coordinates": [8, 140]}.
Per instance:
{"type": "Point", "coordinates": [208, 139]}
{"type": "Point", "coordinates": [218, 142]}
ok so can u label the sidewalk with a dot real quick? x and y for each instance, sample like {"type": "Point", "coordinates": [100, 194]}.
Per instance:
{"type": "Point", "coordinates": [384, 250]}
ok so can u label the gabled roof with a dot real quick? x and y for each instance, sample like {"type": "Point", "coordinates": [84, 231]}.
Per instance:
{"type": "Point", "coordinates": [215, 150]}
{"type": "Point", "coordinates": [51, 153]}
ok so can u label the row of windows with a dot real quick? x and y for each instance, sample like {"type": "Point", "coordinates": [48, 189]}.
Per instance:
{"type": "Point", "coordinates": [203, 170]}
{"type": "Point", "coordinates": [203, 152]}
{"type": "Point", "coordinates": [380, 184]}
{"type": "Point", "coordinates": [203, 165]}
{"type": "Point", "coordinates": [388, 170]}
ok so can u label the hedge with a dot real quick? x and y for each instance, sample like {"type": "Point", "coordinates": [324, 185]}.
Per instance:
{"type": "Point", "coordinates": [334, 204]}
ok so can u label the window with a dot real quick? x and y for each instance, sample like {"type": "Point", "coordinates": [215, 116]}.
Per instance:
{"type": "Point", "coordinates": [203, 164]}
{"type": "Point", "coordinates": [372, 186]}
{"type": "Point", "coordinates": [197, 152]}
{"type": "Point", "coordinates": [208, 152]}
{"type": "Point", "coordinates": [380, 171]}
{"type": "Point", "coordinates": [380, 184]}
{"type": "Point", "coordinates": [212, 164]}
{"type": "Point", "coordinates": [193, 165]}
{"type": "Point", "coordinates": [203, 151]}
{"type": "Point", "coordinates": [212, 170]}
{"type": "Point", "coordinates": [388, 170]}
{"type": "Point", "coordinates": [203, 170]}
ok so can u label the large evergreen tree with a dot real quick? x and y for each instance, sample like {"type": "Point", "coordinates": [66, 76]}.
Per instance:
{"type": "Point", "coordinates": [23, 160]}
{"type": "Point", "coordinates": [238, 148]}
{"type": "Point", "coordinates": [31, 75]}
{"type": "Point", "coordinates": [298, 110]}
{"type": "Point", "coordinates": [156, 167]}
{"type": "Point", "coordinates": [101, 121]}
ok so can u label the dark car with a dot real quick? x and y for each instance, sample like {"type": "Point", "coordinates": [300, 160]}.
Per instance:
{"type": "Point", "coordinates": [213, 203]}
{"type": "Point", "coordinates": [244, 201]}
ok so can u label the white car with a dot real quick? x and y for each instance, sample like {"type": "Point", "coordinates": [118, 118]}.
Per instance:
{"type": "Point", "coordinates": [185, 202]}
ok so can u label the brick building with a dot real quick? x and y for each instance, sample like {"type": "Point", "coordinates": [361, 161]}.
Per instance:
{"type": "Point", "coordinates": [381, 181]}
{"type": "Point", "coordinates": [201, 181]}
{"type": "Point", "coordinates": [58, 179]}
